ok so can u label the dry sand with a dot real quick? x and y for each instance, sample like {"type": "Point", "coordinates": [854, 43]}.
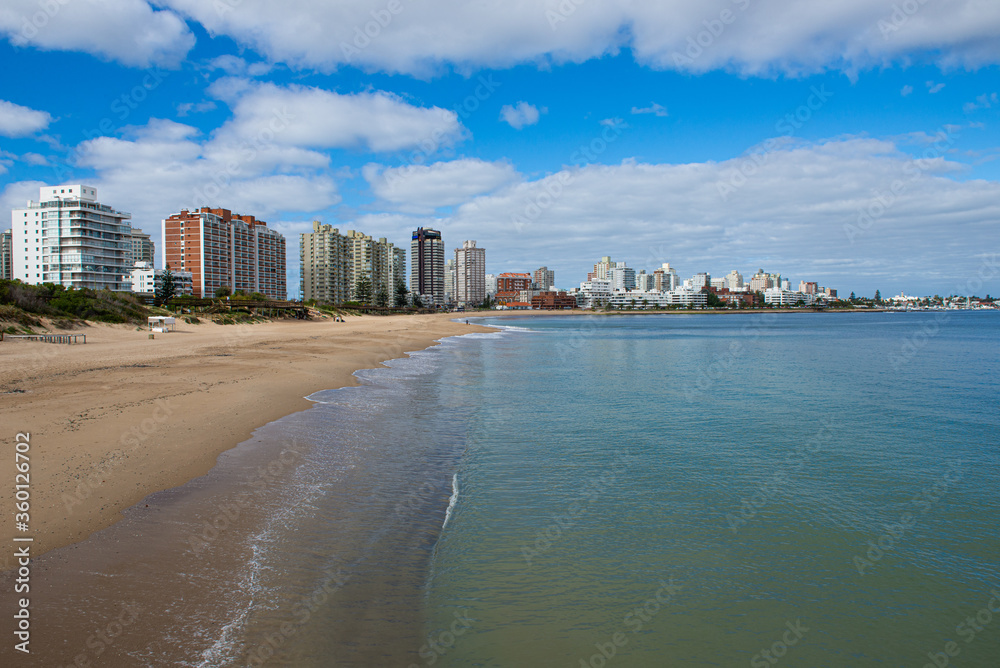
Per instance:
{"type": "Point", "coordinates": [123, 416]}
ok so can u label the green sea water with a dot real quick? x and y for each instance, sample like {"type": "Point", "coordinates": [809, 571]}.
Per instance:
{"type": "Point", "coordinates": [794, 490]}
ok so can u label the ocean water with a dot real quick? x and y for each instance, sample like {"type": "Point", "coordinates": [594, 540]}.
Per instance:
{"type": "Point", "coordinates": [705, 490]}
{"type": "Point", "coordinates": [681, 490]}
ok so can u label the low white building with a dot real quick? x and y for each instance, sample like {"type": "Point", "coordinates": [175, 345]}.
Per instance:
{"type": "Point", "coordinates": [782, 297]}
{"type": "Point", "coordinates": [145, 279]}
{"type": "Point", "coordinates": [623, 299]}
{"type": "Point", "coordinates": [595, 293]}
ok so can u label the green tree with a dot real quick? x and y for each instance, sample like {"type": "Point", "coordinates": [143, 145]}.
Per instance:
{"type": "Point", "coordinates": [167, 288]}
{"type": "Point", "coordinates": [223, 291]}
{"type": "Point", "coordinates": [878, 297]}
{"type": "Point", "coordinates": [401, 292]}
{"type": "Point", "coordinates": [852, 297]}
{"type": "Point", "coordinates": [713, 301]}
{"type": "Point", "coordinates": [382, 298]}
{"type": "Point", "coordinates": [417, 301]}
{"type": "Point", "coordinates": [487, 303]}
{"type": "Point", "coordinates": [363, 291]}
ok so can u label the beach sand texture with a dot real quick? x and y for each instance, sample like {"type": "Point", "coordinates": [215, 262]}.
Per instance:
{"type": "Point", "coordinates": [123, 416]}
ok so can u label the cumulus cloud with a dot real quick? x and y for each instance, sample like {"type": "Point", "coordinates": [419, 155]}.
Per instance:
{"type": "Point", "coordinates": [906, 90]}
{"type": "Point", "coordinates": [186, 108]}
{"type": "Point", "coordinates": [313, 117]}
{"type": "Point", "coordinates": [158, 168]}
{"type": "Point", "coordinates": [933, 88]}
{"type": "Point", "coordinates": [128, 31]}
{"type": "Point", "coordinates": [821, 211]}
{"type": "Point", "coordinates": [18, 121]}
{"type": "Point", "coordinates": [424, 188]}
{"type": "Point", "coordinates": [655, 109]}
{"type": "Point", "coordinates": [519, 115]}
{"type": "Point", "coordinates": [983, 101]}
{"type": "Point", "coordinates": [35, 159]}
{"type": "Point", "coordinates": [763, 36]}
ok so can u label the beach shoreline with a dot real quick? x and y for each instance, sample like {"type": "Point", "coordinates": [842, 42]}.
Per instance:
{"type": "Point", "coordinates": [125, 416]}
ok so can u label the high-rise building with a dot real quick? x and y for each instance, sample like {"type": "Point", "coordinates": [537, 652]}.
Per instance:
{"type": "Point", "coordinates": [324, 266]}
{"type": "Point", "coordinates": [223, 249]}
{"type": "Point", "coordinates": [332, 264]}
{"type": "Point", "coordinates": [808, 287]}
{"type": "Point", "coordinates": [545, 279]}
{"type": "Point", "coordinates": [701, 280]}
{"type": "Point", "coordinates": [734, 281]}
{"type": "Point", "coordinates": [645, 282]}
{"type": "Point", "coordinates": [427, 266]}
{"type": "Point", "coordinates": [601, 269]}
{"type": "Point", "coordinates": [379, 261]}
{"type": "Point", "coordinates": [470, 274]}
{"type": "Point", "coordinates": [6, 254]}
{"type": "Point", "coordinates": [763, 281]}
{"type": "Point", "coordinates": [622, 277]}
{"type": "Point", "coordinates": [491, 284]}
{"type": "Point", "coordinates": [665, 278]}
{"type": "Point", "coordinates": [71, 239]}
{"type": "Point", "coordinates": [449, 281]}
{"type": "Point", "coordinates": [143, 249]}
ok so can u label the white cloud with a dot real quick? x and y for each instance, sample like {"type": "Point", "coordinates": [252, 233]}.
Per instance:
{"type": "Point", "coordinates": [236, 66]}
{"type": "Point", "coordinates": [35, 159]}
{"type": "Point", "coordinates": [906, 90]}
{"type": "Point", "coordinates": [129, 31]}
{"type": "Point", "coordinates": [983, 101]}
{"type": "Point", "coordinates": [317, 118]}
{"type": "Point", "coordinates": [159, 168]}
{"type": "Point", "coordinates": [18, 121]}
{"type": "Point", "coordinates": [519, 115]}
{"type": "Point", "coordinates": [185, 108]}
{"type": "Point", "coordinates": [755, 37]}
{"type": "Point", "coordinates": [655, 108]}
{"type": "Point", "coordinates": [16, 195]}
{"type": "Point", "coordinates": [424, 188]}
{"type": "Point", "coordinates": [933, 88]}
{"type": "Point", "coordinates": [802, 207]}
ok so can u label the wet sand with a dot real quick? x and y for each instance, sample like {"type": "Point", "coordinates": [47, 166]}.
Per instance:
{"type": "Point", "coordinates": [123, 416]}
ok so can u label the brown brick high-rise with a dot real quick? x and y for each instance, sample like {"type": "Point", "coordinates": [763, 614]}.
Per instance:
{"type": "Point", "coordinates": [221, 248]}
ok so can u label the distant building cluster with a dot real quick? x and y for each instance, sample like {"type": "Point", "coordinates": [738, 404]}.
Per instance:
{"type": "Point", "coordinates": [616, 285]}
{"type": "Point", "coordinates": [70, 238]}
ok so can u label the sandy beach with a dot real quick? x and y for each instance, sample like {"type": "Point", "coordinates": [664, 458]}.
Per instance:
{"type": "Point", "coordinates": [123, 416]}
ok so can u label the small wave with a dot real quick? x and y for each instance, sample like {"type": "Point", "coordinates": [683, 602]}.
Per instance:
{"type": "Point", "coordinates": [452, 501]}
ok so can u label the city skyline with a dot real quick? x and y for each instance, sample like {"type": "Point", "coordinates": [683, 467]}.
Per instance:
{"type": "Point", "coordinates": [706, 135]}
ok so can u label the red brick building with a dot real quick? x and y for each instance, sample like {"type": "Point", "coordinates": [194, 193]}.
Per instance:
{"type": "Point", "coordinates": [221, 248]}
{"type": "Point", "coordinates": [553, 300]}
{"type": "Point", "coordinates": [509, 286]}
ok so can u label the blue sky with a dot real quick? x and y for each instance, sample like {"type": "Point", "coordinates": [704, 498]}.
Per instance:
{"type": "Point", "coordinates": [854, 144]}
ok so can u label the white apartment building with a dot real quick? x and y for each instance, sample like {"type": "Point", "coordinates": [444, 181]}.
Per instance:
{"type": "Point", "coordinates": [71, 239]}
{"type": "Point", "coordinates": [621, 299]}
{"type": "Point", "coordinates": [144, 279]}
{"type": "Point", "coordinates": [470, 274]}
{"type": "Point", "coordinates": [666, 278]}
{"type": "Point", "coordinates": [782, 297]}
{"type": "Point", "coordinates": [622, 277]}
{"type": "Point", "coordinates": [491, 284]}
{"type": "Point", "coordinates": [700, 280]}
{"type": "Point", "coordinates": [734, 281]}
{"type": "Point", "coordinates": [595, 293]}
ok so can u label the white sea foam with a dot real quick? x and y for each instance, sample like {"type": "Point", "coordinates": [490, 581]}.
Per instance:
{"type": "Point", "coordinates": [452, 501]}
